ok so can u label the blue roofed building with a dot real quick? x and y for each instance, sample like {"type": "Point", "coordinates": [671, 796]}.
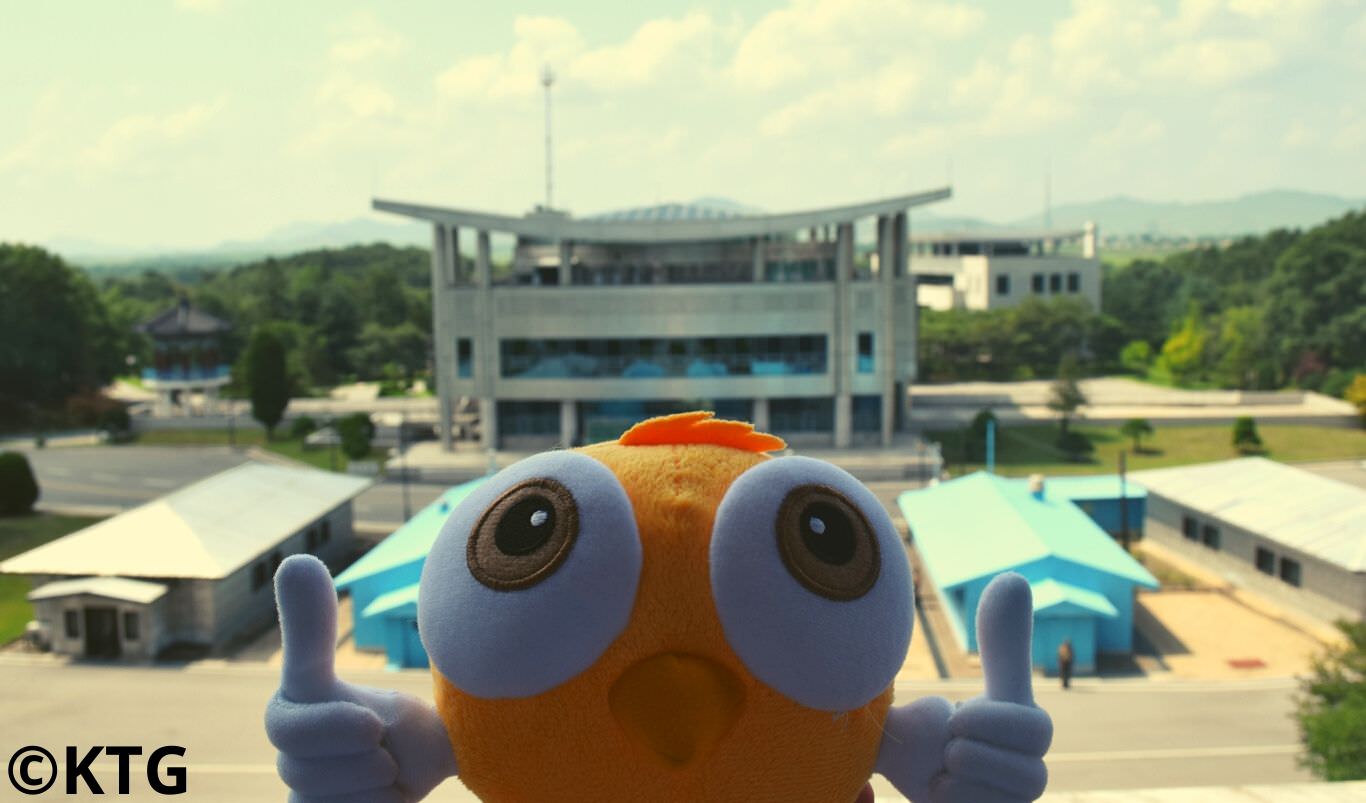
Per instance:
{"type": "Point", "coordinates": [1107, 499]}
{"type": "Point", "coordinates": [383, 584]}
{"type": "Point", "coordinates": [970, 529]}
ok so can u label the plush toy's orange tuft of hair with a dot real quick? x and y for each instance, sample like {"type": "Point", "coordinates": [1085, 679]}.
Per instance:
{"type": "Point", "coordinates": [700, 427]}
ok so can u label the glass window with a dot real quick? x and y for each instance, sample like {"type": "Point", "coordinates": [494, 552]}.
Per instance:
{"type": "Point", "coordinates": [865, 353]}
{"type": "Point", "coordinates": [1003, 285]}
{"type": "Point", "coordinates": [326, 530]}
{"type": "Point", "coordinates": [131, 626]}
{"type": "Point", "coordinates": [73, 624]}
{"type": "Point", "coordinates": [1036, 282]}
{"type": "Point", "coordinates": [275, 560]}
{"type": "Point", "coordinates": [259, 576]}
{"type": "Point", "coordinates": [1074, 282]}
{"type": "Point", "coordinates": [1290, 571]}
{"type": "Point", "coordinates": [1266, 561]}
{"type": "Point", "coordinates": [867, 414]}
{"type": "Point", "coordinates": [311, 539]}
{"type": "Point", "coordinates": [1055, 283]}
{"type": "Point", "coordinates": [1189, 528]}
{"type": "Point", "coordinates": [464, 357]}
{"type": "Point", "coordinates": [1209, 536]}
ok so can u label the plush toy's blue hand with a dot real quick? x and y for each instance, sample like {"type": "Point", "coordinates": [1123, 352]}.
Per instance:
{"type": "Point", "coordinates": [340, 742]}
{"type": "Point", "coordinates": [989, 749]}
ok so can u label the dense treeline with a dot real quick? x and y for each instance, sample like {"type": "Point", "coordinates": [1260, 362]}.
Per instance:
{"type": "Point", "coordinates": [358, 312]}
{"type": "Point", "coordinates": [1286, 308]}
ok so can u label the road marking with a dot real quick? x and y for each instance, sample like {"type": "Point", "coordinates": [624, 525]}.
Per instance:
{"type": "Point", "coordinates": [1175, 752]}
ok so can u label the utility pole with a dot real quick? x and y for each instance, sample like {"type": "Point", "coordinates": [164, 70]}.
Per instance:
{"type": "Point", "coordinates": [547, 80]}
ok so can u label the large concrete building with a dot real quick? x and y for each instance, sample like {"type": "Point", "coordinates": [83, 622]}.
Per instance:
{"type": "Point", "coordinates": [993, 269]}
{"type": "Point", "coordinates": [1294, 536]}
{"type": "Point", "coordinates": [604, 320]}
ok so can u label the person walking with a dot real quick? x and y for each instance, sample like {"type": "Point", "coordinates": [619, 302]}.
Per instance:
{"type": "Point", "coordinates": [1065, 662]}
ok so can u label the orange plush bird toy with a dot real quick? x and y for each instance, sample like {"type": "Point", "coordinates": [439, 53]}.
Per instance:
{"type": "Point", "coordinates": [673, 616]}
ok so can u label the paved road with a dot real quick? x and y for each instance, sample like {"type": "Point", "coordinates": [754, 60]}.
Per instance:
{"type": "Point", "coordinates": [1115, 735]}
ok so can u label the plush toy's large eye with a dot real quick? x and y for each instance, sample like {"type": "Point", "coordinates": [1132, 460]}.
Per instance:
{"type": "Point", "coordinates": [811, 583]}
{"type": "Point", "coordinates": [532, 577]}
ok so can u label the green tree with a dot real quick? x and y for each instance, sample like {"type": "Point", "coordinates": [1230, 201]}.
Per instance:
{"type": "Point", "coordinates": [1135, 429]}
{"type": "Point", "coordinates": [1065, 396]}
{"type": "Point", "coordinates": [355, 432]}
{"type": "Point", "coordinates": [267, 378]}
{"type": "Point", "coordinates": [56, 339]}
{"type": "Point", "coordinates": [1183, 354]}
{"type": "Point", "coordinates": [1245, 437]}
{"type": "Point", "coordinates": [18, 486]}
{"type": "Point", "coordinates": [1243, 361]}
{"type": "Point", "coordinates": [1331, 709]}
{"type": "Point", "coordinates": [1356, 394]}
{"type": "Point", "coordinates": [1136, 357]}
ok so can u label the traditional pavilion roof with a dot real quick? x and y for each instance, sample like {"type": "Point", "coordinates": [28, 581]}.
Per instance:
{"type": "Point", "coordinates": [1290, 506]}
{"type": "Point", "coordinates": [183, 319]}
{"type": "Point", "coordinates": [983, 524]}
{"type": "Point", "coordinates": [207, 530]}
{"type": "Point", "coordinates": [550, 225]}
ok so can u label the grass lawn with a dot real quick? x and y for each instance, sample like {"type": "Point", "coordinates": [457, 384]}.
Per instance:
{"type": "Point", "coordinates": [282, 445]}
{"type": "Point", "coordinates": [20, 534]}
{"type": "Point", "coordinates": [1024, 450]}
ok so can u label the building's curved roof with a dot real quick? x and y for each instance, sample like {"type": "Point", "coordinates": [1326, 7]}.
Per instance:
{"type": "Point", "coordinates": [669, 212]}
{"type": "Point", "coordinates": [183, 319]}
{"type": "Point", "coordinates": [555, 225]}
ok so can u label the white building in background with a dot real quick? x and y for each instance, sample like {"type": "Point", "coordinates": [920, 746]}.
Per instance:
{"type": "Point", "coordinates": [605, 320]}
{"type": "Point", "coordinates": [993, 269]}
{"type": "Point", "coordinates": [193, 567]}
{"type": "Point", "coordinates": [1295, 536]}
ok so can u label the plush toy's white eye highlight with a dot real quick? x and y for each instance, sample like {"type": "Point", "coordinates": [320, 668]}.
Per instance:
{"type": "Point", "coordinates": [811, 583]}
{"type": "Point", "coordinates": [532, 577]}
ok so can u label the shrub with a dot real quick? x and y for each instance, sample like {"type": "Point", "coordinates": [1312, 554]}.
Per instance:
{"type": "Point", "coordinates": [1075, 445]}
{"type": "Point", "coordinates": [18, 486]}
{"type": "Point", "coordinates": [355, 431]}
{"type": "Point", "coordinates": [302, 427]}
{"type": "Point", "coordinates": [1332, 709]}
{"type": "Point", "coordinates": [1245, 437]}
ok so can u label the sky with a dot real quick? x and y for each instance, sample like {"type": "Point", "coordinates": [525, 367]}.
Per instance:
{"type": "Point", "coordinates": [185, 123]}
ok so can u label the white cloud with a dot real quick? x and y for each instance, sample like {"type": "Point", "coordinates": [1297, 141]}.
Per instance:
{"type": "Point", "coordinates": [138, 134]}
{"type": "Point", "coordinates": [885, 93]}
{"type": "Point", "coordinates": [823, 37]}
{"type": "Point", "coordinates": [638, 60]}
{"type": "Point", "coordinates": [537, 41]}
{"type": "Point", "coordinates": [360, 97]}
{"type": "Point", "coordinates": [362, 37]}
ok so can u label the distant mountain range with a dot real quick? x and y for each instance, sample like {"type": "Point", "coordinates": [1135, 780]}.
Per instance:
{"type": "Point", "coordinates": [1120, 216]}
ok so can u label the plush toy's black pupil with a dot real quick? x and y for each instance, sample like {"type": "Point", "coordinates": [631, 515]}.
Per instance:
{"type": "Point", "coordinates": [828, 533]}
{"type": "Point", "coordinates": [525, 527]}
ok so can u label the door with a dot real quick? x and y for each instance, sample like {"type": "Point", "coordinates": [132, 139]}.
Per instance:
{"type": "Point", "coordinates": [101, 633]}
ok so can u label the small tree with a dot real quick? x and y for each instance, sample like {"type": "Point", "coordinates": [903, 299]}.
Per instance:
{"type": "Point", "coordinates": [1066, 396]}
{"type": "Point", "coordinates": [1332, 709]}
{"type": "Point", "coordinates": [1245, 437]}
{"type": "Point", "coordinates": [1356, 394]}
{"type": "Point", "coordinates": [302, 427]}
{"type": "Point", "coordinates": [1136, 356]}
{"type": "Point", "coordinates": [355, 431]}
{"type": "Point", "coordinates": [1135, 429]}
{"type": "Point", "coordinates": [18, 486]}
{"type": "Point", "coordinates": [267, 379]}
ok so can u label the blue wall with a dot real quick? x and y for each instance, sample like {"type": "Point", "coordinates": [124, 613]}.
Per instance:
{"type": "Point", "coordinates": [1049, 632]}
{"type": "Point", "coordinates": [370, 632]}
{"type": "Point", "coordinates": [402, 646]}
{"type": "Point", "coordinates": [1105, 512]}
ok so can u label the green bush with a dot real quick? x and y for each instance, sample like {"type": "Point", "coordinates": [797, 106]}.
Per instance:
{"type": "Point", "coordinates": [1075, 445]}
{"type": "Point", "coordinates": [976, 445]}
{"type": "Point", "coordinates": [1245, 437]}
{"type": "Point", "coordinates": [1332, 709]}
{"type": "Point", "coordinates": [302, 427]}
{"type": "Point", "coordinates": [18, 487]}
{"type": "Point", "coordinates": [355, 431]}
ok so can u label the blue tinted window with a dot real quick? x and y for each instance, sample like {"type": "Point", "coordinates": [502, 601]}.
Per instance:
{"type": "Point", "coordinates": [654, 358]}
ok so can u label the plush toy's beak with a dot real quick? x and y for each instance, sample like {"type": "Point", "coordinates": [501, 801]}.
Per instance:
{"type": "Point", "coordinates": [678, 705]}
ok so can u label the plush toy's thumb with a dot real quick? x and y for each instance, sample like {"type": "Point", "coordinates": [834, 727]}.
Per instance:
{"type": "Point", "coordinates": [307, 603]}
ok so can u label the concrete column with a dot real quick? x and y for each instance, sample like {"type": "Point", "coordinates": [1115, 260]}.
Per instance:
{"type": "Point", "coordinates": [453, 257]}
{"type": "Point", "coordinates": [760, 258]}
{"type": "Point", "coordinates": [566, 262]}
{"type": "Point", "coordinates": [443, 338]}
{"type": "Point", "coordinates": [883, 351]}
{"type": "Point", "coordinates": [1089, 241]}
{"type": "Point", "coordinates": [569, 422]}
{"type": "Point", "coordinates": [844, 362]}
{"type": "Point", "coordinates": [761, 417]}
{"type": "Point", "coordinates": [485, 346]}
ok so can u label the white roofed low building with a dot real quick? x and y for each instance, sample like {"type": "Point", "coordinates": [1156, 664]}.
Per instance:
{"type": "Point", "coordinates": [1295, 536]}
{"type": "Point", "coordinates": [992, 269]}
{"type": "Point", "coordinates": [193, 567]}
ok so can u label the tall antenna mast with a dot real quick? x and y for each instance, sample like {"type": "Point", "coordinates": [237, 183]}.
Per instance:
{"type": "Point", "coordinates": [547, 79]}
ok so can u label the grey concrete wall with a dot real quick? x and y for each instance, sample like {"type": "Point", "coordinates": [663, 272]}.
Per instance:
{"type": "Point", "coordinates": [1326, 591]}
{"type": "Point", "coordinates": [152, 636]}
